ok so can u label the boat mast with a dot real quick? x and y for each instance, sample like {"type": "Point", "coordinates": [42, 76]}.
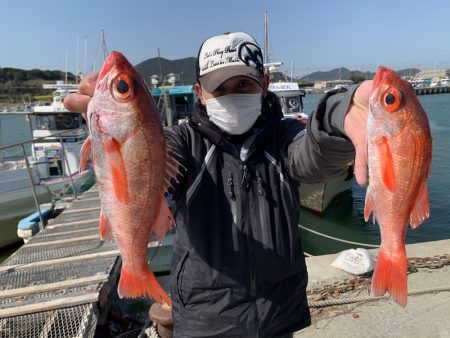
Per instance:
{"type": "Point", "coordinates": [266, 38]}
{"type": "Point", "coordinates": [103, 45]}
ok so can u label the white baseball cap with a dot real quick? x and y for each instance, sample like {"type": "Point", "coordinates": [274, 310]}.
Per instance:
{"type": "Point", "coordinates": [228, 55]}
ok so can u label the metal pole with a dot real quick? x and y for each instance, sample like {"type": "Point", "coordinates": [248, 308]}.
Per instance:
{"type": "Point", "coordinates": [169, 108]}
{"type": "Point", "coordinates": [30, 124]}
{"type": "Point", "coordinates": [68, 167]}
{"type": "Point", "coordinates": [41, 224]}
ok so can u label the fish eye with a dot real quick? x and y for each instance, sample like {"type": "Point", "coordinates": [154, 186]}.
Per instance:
{"type": "Point", "coordinates": [123, 88]}
{"type": "Point", "coordinates": [392, 99]}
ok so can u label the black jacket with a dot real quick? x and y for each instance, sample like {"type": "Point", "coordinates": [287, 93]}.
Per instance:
{"type": "Point", "coordinates": [238, 268]}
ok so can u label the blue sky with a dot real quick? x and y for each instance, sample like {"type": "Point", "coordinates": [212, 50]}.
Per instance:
{"type": "Point", "coordinates": [306, 35]}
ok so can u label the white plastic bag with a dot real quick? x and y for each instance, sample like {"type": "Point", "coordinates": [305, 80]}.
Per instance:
{"type": "Point", "coordinates": [355, 261]}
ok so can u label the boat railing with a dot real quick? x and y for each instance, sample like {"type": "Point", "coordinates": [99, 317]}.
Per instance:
{"type": "Point", "coordinates": [24, 156]}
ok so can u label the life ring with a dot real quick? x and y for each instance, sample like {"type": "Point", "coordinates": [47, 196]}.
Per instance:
{"type": "Point", "coordinates": [66, 121]}
{"type": "Point", "coordinates": [293, 103]}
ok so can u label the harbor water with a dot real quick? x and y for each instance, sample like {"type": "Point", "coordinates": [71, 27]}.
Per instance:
{"type": "Point", "coordinates": [344, 217]}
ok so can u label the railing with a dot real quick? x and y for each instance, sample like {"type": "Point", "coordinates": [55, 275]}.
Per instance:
{"type": "Point", "coordinates": [28, 166]}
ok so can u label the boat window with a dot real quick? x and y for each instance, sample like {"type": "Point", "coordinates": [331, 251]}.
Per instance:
{"type": "Point", "coordinates": [58, 121]}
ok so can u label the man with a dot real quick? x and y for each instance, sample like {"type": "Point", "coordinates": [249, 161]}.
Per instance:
{"type": "Point", "coordinates": [238, 268]}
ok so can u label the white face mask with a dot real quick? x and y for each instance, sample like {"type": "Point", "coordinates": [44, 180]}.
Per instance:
{"type": "Point", "coordinates": [234, 113]}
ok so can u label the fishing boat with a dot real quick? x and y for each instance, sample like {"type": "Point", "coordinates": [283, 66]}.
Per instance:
{"type": "Point", "coordinates": [176, 103]}
{"type": "Point", "coordinates": [313, 196]}
{"type": "Point", "coordinates": [49, 163]}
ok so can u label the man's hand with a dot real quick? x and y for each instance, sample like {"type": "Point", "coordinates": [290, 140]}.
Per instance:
{"type": "Point", "coordinates": [355, 127]}
{"type": "Point", "coordinates": [78, 102]}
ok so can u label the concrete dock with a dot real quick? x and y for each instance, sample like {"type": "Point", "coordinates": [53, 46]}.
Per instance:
{"type": "Point", "coordinates": [426, 315]}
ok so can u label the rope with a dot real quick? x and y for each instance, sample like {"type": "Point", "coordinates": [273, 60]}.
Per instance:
{"type": "Point", "coordinates": [338, 239]}
{"type": "Point", "coordinates": [343, 301]}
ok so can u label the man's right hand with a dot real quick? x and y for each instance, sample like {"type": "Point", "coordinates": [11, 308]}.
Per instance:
{"type": "Point", "coordinates": [78, 102]}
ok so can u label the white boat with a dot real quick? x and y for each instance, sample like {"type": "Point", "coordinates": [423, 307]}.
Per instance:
{"type": "Point", "coordinates": [315, 196]}
{"type": "Point", "coordinates": [291, 98]}
{"type": "Point", "coordinates": [444, 82]}
{"type": "Point", "coordinates": [57, 137]}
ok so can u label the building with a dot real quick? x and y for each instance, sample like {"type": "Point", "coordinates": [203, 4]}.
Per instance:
{"type": "Point", "coordinates": [333, 84]}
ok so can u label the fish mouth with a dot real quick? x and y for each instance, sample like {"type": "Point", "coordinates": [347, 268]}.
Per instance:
{"type": "Point", "coordinates": [384, 76]}
{"type": "Point", "coordinates": [109, 63]}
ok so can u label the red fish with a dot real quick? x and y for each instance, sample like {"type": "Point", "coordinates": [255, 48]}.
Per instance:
{"type": "Point", "coordinates": [133, 171]}
{"type": "Point", "coordinates": [399, 160]}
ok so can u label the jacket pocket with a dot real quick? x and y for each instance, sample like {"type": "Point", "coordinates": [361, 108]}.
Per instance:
{"type": "Point", "coordinates": [180, 281]}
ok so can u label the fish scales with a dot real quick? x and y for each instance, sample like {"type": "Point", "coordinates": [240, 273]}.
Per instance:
{"type": "Point", "coordinates": [129, 155]}
{"type": "Point", "coordinates": [399, 159]}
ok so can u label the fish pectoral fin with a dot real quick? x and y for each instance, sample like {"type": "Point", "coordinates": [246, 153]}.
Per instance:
{"type": "Point", "coordinates": [421, 209]}
{"type": "Point", "coordinates": [105, 229]}
{"type": "Point", "coordinates": [117, 169]}
{"type": "Point", "coordinates": [164, 220]}
{"type": "Point", "coordinates": [84, 153]}
{"type": "Point", "coordinates": [386, 163]}
{"type": "Point", "coordinates": [368, 207]}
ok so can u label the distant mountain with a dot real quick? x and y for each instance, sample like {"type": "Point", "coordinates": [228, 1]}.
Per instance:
{"type": "Point", "coordinates": [345, 74]}
{"type": "Point", "coordinates": [183, 68]}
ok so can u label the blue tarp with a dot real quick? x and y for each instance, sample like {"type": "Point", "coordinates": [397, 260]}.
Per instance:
{"type": "Point", "coordinates": [173, 90]}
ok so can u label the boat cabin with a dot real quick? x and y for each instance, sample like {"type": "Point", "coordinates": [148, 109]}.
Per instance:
{"type": "Point", "coordinates": [291, 97]}
{"type": "Point", "coordinates": [175, 103]}
{"type": "Point", "coordinates": [50, 120]}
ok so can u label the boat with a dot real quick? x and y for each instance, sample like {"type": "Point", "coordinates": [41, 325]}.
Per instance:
{"type": "Point", "coordinates": [49, 163]}
{"type": "Point", "coordinates": [313, 196]}
{"type": "Point", "coordinates": [176, 103]}
{"type": "Point", "coordinates": [291, 98]}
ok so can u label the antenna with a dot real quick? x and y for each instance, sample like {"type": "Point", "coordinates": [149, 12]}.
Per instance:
{"type": "Point", "coordinates": [67, 53]}
{"type": "Point", "coordinates": [160, 68]}
{"type": "Point", "coordinates": [85, 54]}
{"type": "Point", "coordinates": [76, 61]}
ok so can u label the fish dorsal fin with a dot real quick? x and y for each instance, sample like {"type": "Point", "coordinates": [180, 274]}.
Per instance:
{"type": "Point", "coordinates": [386, 163]}
{"type": "Point", "coordinates": [84, 153]}
{"type": "Point", "coordinates": [117, 169]}
{"type": "Point", "coordinates": [173, 167]}
{"type": "Point", "coordinates": [421, 209]}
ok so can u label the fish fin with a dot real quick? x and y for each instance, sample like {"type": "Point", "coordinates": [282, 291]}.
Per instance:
{"type": "Point", "coordinates": [164, 220]}
{"type": "Point", "coordinates": [117, 168]}
{"type": "Point", "coordinates": [84, 153]}
{"type": "Point", "coordinates": [134, 285]}
{"type": "Point", "coordinates": [390, 275]}
{"type": "Point", "coordinates": [386, 163]}
{"type": "Point", "coordinates": [421, 209]}
{"type": "Point", "coordinates": [173, 167]}
{"type": "Point", "coordinates": [105, 228]}
{"type": "Point", "coordinates": [368, 207]}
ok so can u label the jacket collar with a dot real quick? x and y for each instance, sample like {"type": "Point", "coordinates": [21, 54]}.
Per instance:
{"type": "Point", "coordinates": [240, 146]}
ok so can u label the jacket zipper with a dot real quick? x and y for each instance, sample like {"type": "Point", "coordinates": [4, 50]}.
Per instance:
{"type": "Point", "coordinates": [245, 185]}
{"type": "Point", "coordinates": [265, 225]}
{"type": "Point", "coordinates": [232, 197]}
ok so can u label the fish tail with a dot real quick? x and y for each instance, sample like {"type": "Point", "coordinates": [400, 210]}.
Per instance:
{"type": "Point", "coordinates": [134, 285]}
{"type": "Point", "coordinates": [390, 275]}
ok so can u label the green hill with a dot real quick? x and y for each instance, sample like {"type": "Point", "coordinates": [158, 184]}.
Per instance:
{"type": "Point", "coordinates": [17, 85]}
{"type": "Point", "coordinates": [183, 68]}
